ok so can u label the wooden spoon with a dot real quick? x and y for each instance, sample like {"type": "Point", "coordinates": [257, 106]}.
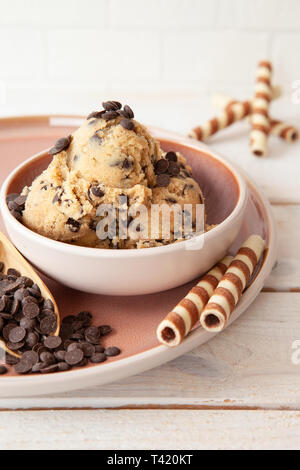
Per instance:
{"type": "Point", "coordinates": [11, 258]}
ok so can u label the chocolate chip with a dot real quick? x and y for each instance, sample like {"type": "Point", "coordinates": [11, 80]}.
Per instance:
{"type": "Point", "coordinates": [21, 293]}
{"type": "Point", "coordinates": [17, 334]}
{"type": "Point", "coordinates": [111, 105]}
{"type": "Point", "coordinates": [4, 303]}
{"type": "Point", "coordinates": [47, 358]}
{"type": "Point", "coordinates": [15, 346]}
{"type": "Point", "coordinates": [31, 310]}
{"type": "Point", "coordinates": [161, 166]}
{"type": "Point", "coordinates": [11, 197]}
{"type": "Point", "coordinates": [48, 325]}
{"type": "Point", "coordinates": [49, 369]}
{"type": "Point", "coordinates": [58, 195]}
{"type": "Point", "coordinates": [85, 317]}
{"type": "Point", "coordinates": [20, 201]}
{"type": "Point", "coordinates": [127, 112]}
{"type": "Point", "coordinates": [31, 356]}
{"type": "Point", "coordinates": [109, 115]}
{"type": "Point", "coordinates": [60, 145]}
{"type": "Point", "coordinates": [23, 366]}
{"type": "Point", "coordinates": [48, 304]}
{"type": "Point", "coordinates": [173, 169]}
{"type": "Point", "coordinates": [73, 346]}
{"type": "Point", "coordinates": [171, 156]}
{"type": "Point", "coordinates": [32, 339]}
{"type": "Point", "coordinates": [74, 225]}
{"type": "Point", "coordinates": [63, 366]}
{"type": "Point", "coordinates": [13, 272]}
{"type": "Point", "coordinates": [60, 355]}
{"type": "Point", "coordinates": [88, 349]}
{"type": "Point", "coordinates": [96, 139]}
{"type": "Point", "coordinates": [11, 360]}
{"type": "Point", "coordinates": [93, 225]}
{"type": "Point", "coordinates": [127, 124]}
{"type": "Point", "coordinates": [53, 342]}
{"type": "Point", "coordinates": [171, 200]}
{"type": "Point", "coordinates": [99, 348]}
{"type": "Point", "coordinates": [3, 370]}
{"type": "Point", "coordinates": [104, 330]}
{"type": "Point", "coordinates": [38, 367]}
{"type": "Point", "coordinates": [97, 191]}
{"type": "Point", "coordinates": [95, 115]}
{"type": "Point", "coordinates": [98, 357]}
{"type": "Point", "coordinates": [92, 335]}
{"type": "Point", "coordinates": [74, 357]}
{"type": "Point", "coordinates": [163, 180]}
{"type": "Point", "coordinates": [127, 164]}
{"type": "Point", "coordinates": [112, 351]}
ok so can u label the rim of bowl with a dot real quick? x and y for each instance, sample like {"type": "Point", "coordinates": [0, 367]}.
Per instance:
{"type": "Point", "coordinates": [159, 134]}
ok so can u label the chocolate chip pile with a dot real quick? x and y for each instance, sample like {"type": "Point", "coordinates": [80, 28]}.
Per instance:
{"type": "Point", "coordinates": [16, 204]}
{"type": "Point", "coordinates": [28, 321]}
{"type": "Point", "coordinates": [165, 168]}
{"type": "Point", "coordinates": [112, 110]}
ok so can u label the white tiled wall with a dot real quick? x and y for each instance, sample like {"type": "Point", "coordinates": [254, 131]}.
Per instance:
{"type": "Point", "coordinates": [63, 55]}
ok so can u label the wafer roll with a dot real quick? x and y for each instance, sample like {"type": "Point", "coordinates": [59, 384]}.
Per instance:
{"type": "Point", "coordinates": [224, 119]}
{"type": "Point", "coordinates": [178, 323]}
{"type": "Point", "coordinates": [229, 290]}
{"type": "Point", "coordinates": [281, 129]}
{"type": "Point", "coordinates": [260, 113]}
{"type": "Point", "coordinates": [284, 130]}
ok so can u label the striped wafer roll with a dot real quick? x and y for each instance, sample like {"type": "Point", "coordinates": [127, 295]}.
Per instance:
{"type": "Point", "coordinates": [224, 119]}
{"type": "Point", "coordinates": [178, 323]}
{"type": "Point", "coordinates": [260, 113]}
{"type": "Point", "coordinates": [281, 129]}
{"type": "Point", "coordinates": [284, 130]}
{"type": "Point", "coordinates": [229, 290]}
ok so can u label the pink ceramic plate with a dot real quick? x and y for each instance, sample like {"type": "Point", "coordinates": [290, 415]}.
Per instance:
{"type": "Point", "coordinates": [134, 319]}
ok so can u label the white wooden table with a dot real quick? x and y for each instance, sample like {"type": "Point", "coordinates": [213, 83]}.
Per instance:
{"type": "Point", "coordinates": [241, 390]}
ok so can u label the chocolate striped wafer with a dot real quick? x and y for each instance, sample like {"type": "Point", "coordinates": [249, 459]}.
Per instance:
{"type": "Point", "coordinates": [260, 113]}
{"type": "Point", "coordinates": [281, 129]}
{"type": "Point", "coordinates": [223, 120]}
{"type": "Point", "coordinates": [178, 323]}
{"type": "Point", "coordinates": [284, 130]}
{"type": "Point", "coordinates": [229, 290]}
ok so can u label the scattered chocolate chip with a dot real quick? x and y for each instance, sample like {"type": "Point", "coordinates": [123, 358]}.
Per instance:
{"type": "Point", "coordinates": [96, 115]}
{"type": "Point", "coordinates": [127, 112]}
{"type": "Point", "coordinates": [98, 357]}
{"type": "Point", "coordinates": [17, 334]}
{"type": "Point", "coordinates": [53, 342]}
{"type": "Point", "coordinates": [31, 310]}
{"type": "Point", "coordinates": [109, 115]}
{"type": "Point", "coordinates": [97, 191]}
{"type": "Point", "coordinates": [74, 357]}
{"type": "Point", "coordinates": [163, 180]}
{"type": "Point", "coordinates": [23, 366]}
{"type": "Point", "coordinates": [74, 225]}
{"type": "Point", "coordinates": [104, 330]}
{"type": "Point", "coordinates": [127, 124]}
{"type": "Point", "coordinates": [173, 169]}
{"type": "Point", "coordinates": [48, 304]}
{"type": "Point", "coordinates": [88, 349]}
{"type": "Point", "coordinates": [111, 105]}
{"type": "Point", "coordinates": [31, 356]}
{"type": "Point", "coordinates": [161, 166]}
{"type": "Point", "coordinates": [13, 272]}
{"type": "Point", "coordinates": [85, 317]}
{"type": "Point", "coordinates": [20, 201]}
{"type": "Point", "coordinates": [92, 335]}
{"type": "Point", "coordinates": [171, 156]}
{"type": "Point", "coordinates": [127, 164]}
{"type": "Point", "coordinates": [96, 139]}
{"type": "Point", "coordinates": [11, 197]}
{"type": "Point", "coordinates": [49, 369]}
{"type": "Point", "coordinates": [99, 348]}
{"type": "Point", "coordinates": [60, 145]}
{"type": "Point", "coordinates": [112, 351]}
{"type": "Point", "coordinates": [48, 325]}
{"type": "Point", "coordinates": [171, 200]}
{"type": "Point", "coordinates": [63, 366]}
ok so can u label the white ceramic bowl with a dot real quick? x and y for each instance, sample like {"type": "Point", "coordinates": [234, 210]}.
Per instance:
{"type": "Point", "coordinates": [135, 272]}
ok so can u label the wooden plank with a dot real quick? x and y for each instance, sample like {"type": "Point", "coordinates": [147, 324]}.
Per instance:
{"type": "Point", "coordinates": [286, 275]}
{"type": "Point", "coordinates": [150, 429]}
{"type": "Point", "coordinates": [248, 365]}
